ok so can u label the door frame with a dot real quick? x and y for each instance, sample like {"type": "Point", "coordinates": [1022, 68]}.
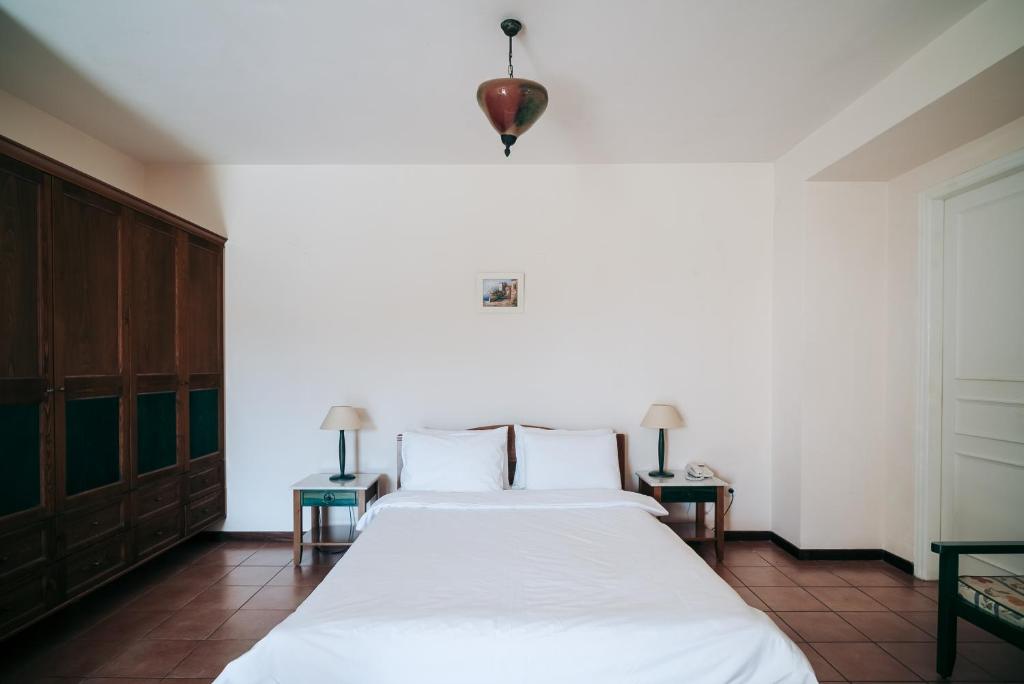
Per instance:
{"type": "Point", "coordinates": [928, 393]}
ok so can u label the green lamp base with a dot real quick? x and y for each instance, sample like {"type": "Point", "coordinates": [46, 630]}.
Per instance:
{"type": "Point", "coordinates": [662, 473]}
{"type": "Point", "coordinates": [342, 476]}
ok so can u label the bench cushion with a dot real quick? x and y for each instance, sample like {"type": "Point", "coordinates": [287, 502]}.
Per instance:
{"type": "Point", "coordinates": [1001, 597]}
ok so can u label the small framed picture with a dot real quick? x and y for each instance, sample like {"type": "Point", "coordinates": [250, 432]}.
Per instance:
{"type": "Point", "coordinates": [500, 292]}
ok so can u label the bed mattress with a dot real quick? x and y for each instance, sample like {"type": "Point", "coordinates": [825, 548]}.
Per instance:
{"type": "Point", "coordinates": [519, 586]}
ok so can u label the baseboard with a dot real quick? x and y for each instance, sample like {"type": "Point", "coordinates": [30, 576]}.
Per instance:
{"type": "Point", "coordinates": [842, 554]}
{"type": "Point", "coordinates": [223, 536]}
{"type": "Point", "coordinates": [898, 562]}
{"type": "Point", "coordinates": [785, 545]}
{"type": "Point", "coordinates": [747, 535]}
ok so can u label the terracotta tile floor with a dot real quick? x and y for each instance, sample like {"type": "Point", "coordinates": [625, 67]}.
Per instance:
{"type": "Point", "coordinates": [182, 617]}
{"type": "Point", "coordinates": [859, 621]}
{"type": "Point", "coordinates": [179, 619]}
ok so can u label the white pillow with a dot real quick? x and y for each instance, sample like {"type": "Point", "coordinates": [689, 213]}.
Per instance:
{"type": "Point", "coordinates": [503, 430]}
{"type": "Point", "coordinates": [522, 457]}
{"type": "Point", "coordinates": [441, 463]}
{"type": "Point", "coordinates": [557, 459]}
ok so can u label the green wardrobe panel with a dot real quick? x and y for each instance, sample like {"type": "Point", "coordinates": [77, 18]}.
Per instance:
{"type": "Point", "coordinates": [156, 418]}
{"type": "Point", "coordinates": [92, 444]}
{"type": "Point", "coordinates": [204, 422]}
{"type": "Point", "coordinates": [19, 457]}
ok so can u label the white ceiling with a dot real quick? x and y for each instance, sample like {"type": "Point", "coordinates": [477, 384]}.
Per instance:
{"type": "Point", "coordinates": [364, 82]}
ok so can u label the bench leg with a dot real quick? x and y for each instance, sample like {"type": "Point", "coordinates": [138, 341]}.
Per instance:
{"type": "Point", "coordinates": [945, 657]}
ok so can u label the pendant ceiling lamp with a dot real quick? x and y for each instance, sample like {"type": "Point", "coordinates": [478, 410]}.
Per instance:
{"type": "Point", "coordinates": [511, 104]}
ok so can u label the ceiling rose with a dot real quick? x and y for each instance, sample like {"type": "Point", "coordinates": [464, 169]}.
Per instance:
{"type": "Point", "coordinates": [511, 104]}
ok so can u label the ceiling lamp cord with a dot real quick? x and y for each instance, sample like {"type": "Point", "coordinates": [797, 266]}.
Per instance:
{"type": "Point", "coordinates": [510, 73]}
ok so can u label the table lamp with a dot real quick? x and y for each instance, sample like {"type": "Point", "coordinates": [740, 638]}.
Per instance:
{"type": "Point", "coordinates": [342, 418]}
{"type": "Point", "coordinates": [662, 416]}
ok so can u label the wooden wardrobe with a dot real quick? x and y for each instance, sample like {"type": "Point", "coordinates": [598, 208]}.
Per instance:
{"type": "Point", "coordinates": [111, 383]}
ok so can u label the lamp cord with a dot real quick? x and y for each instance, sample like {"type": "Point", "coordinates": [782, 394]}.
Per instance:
{"type": "Point", "coordinates": [510, 56]}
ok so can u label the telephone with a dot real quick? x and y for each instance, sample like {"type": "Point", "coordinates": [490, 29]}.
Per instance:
{"type": "Point", "coordinates": [698, 471]}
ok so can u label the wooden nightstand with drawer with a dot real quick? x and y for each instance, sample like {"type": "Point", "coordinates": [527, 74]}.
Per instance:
{"type": "Point", "coordinates": [680, 490]}
{"type": "Point", "coordinates": [320, 494]}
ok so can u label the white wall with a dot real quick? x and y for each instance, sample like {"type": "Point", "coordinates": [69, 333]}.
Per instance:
{"type": "Point", "coordinates": [828, 377]}
{"type": "Point", "coordinates": [356, 285]}
{"type": "Point", "coordinates": [843, 356]}
{"type": "Point", "coordinates": [841, 398]}
{"type": "Point", "coordinates": [902, 319]}
{"type": "Point", "coordinates": [788, 240]}
{"type": "Point", "coordinates": [845, 350]}
{"type": "Point", "coordinates": [44, 133]}
{"type": "Point", "coordinates": [782, 320]}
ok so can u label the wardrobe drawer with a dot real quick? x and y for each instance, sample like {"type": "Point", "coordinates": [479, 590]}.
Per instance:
{"type": "Point", "coordinates": [202, 512]}
{"type": "Point", "coordinates": [157, 497]}
{"type": "Point", "coordinates": [79, 529]}
{"type": "Point", "coordinates": [94, 565]}
{"type": "Point", "coordinates": [204, 480]}
{"type": "Point", "coordinates": [24, 550]}
{"type": "Point", "coordinates": [158, 532]}
{"type": "Point", "coordinates": [22, 602]}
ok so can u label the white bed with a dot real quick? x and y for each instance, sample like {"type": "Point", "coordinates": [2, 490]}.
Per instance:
{"type": "Point", "coordinates": [521, 586]}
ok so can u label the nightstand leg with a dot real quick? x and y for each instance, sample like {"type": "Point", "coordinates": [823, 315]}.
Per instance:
{"type": "Point", "coordinates": [297, 527]}
{"type": "Point", "coordinates": [720, 523]}
{"type": "Point", "coordinates": [698, 517]}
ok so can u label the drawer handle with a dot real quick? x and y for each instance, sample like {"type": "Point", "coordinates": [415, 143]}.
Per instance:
{"type": "Point", "coordinates": [98, 563]}
{"type": "Point", "coordinates": [328, 497]}
{"type": "Point", "coordinates": [160, 533]}
{"type": "Point", "coordinates": [204, 510]}
{"type": "Point", "coordinates": [95, 523]}
{"type": "Point", "coordinates": [158, 499]}
{"type": "Point", "coordinates": [4, 559]}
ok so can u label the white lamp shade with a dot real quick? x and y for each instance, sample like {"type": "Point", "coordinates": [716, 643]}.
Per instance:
{"type": "Point", "coordinates": [662, 416]}
{"type": "Point", "coordinates": [342, 418]}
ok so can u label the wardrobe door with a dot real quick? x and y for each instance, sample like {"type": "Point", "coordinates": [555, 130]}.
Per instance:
{"type": "Point", "coordinates": [26, 474]}
{"type": "Point", "coordinates": [205, 355]}
{"type": "Point", "coordinates": [89, 312]}
{"type": "Point", "coordinates": [154, 344]}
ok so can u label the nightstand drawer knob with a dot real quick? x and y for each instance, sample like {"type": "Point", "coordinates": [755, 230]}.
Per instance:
{"type": "Point", "coordinates": [328, 497]}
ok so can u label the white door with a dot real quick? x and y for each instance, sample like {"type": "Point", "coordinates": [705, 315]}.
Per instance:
{"type": "Point", "coordinates": [983, 371]}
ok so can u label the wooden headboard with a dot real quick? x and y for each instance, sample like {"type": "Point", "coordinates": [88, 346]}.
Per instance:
{"type": "Point", "coordinates": [620, 446]}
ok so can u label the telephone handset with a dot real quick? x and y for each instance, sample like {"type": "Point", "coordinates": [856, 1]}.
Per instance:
{"type": "Point", "coordinates": [698, 471]}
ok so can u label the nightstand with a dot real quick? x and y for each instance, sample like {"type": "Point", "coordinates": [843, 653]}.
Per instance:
{"type": "Point", "coordinates": [680, 490]}
{"type": "Point", "coordinates": [320, 493]}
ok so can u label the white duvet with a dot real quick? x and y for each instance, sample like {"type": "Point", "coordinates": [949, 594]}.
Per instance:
{"type": "Point", "coordinates": [521, 587]}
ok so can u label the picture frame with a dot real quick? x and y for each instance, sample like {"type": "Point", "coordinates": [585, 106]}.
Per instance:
{"type": "Point", "coordinates": [500, 293]}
